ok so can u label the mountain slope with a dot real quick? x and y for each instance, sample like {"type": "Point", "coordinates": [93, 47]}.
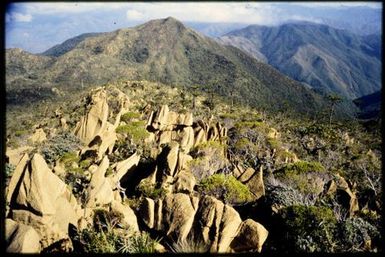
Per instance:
{"type": "Point", "coordinates": [328, 59]}
{"type": "Point", "coordinates": [370, 106]}
{"type": "Point", "coordinates": [165, 50]}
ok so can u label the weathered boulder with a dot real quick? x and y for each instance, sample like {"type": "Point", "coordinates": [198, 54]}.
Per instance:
{"type": "Point", "coordinates": [183, 160]}
{"type": "Point", "coordinates": [177, 215]}
{"type": "Point", "coordinates": [246, 175]}
{"type": "Point", "coordinates": [238, 171]}
{"type": "Point", "coordinates": [100, 189]}
{"type": "Point", "coordinates": [63, 123]}
{"type": "Point", "coordinates": [256, 185]}
{"type": "Point", "coordinates": [207, 222]}
{"type": "Point", "coordinates": [273, 133]}
{"type": "Point", "coordinates": [107, 140]}
{"type": "Point", "coordinates": [230, 223]}
{"type": "Point", "coordinates": [124, 170]}
{"type": "Point", "coordinates": [38, 136]}
{"type": "Point", "coordinates": [160, 118]}
{"type": "Point", "coordinates": [95, 120]}
{"type": "Point", "coordinates": [187, 139]}
{"type": "Point", "coordinates": [330, 188]}
{"type": "Point", "coordinates": [184, 182]}
{"type": "Point", "coordinates": [147, 212]}
{"type": "Point", "coordinates": [40, 199]}
{"type": "Point", "coordinates": [21, 238]}
{"type": "Point", "coordinates": [165, 137]}
{"type": "Point", "coordinates": [14, 155]}
{"type": "Point", "coordinates": [346, 196]}
{"type": "Point", "coordinates": [171, 159]}
{"type": "Point", "coordinates": [251, 236]}
{"type": "Point", "coordinates": [129, 217]}
{"type": "Point", "coordinates": [200, 137]}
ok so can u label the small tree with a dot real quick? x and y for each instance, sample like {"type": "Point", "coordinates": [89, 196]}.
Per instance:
{"type": "Point", "coordinates": [334, 99]}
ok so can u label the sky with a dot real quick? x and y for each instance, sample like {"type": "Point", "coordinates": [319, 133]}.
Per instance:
{"type": "Point", "coordinates": [37, 26]}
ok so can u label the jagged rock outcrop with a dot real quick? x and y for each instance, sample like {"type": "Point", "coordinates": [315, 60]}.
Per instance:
{"type": "Point", "coordinates": [38, 198]}
{"type": "Point", "coordinates": [180, 216]}
{"type": "Point", "coordinates": [256, 185]}
{"type": "Point", "coordinates": [215, 224]}
{"type": "Point", "coordinates": [13, 156]}
{"type": "Point", "coordinates": [346, 195]}
{"type": "Point", "coordinates": [38, 136]}
{"type": "Point", "coordinates": [94, 129]}
{"type": "Point", "coordinates": [95, 121]}
{"type": "Point", "coordinates": [167, 126]}
{"type": "Point", "coordinates": [124, 170]}
{"type": "Point", "coordinates": [129, 217]}
{"type": "Point", "coordinates": [177, 216]}
{"type": "Point", "coordinates": [100, 190]}
{"type": "Point", "coordinates": [21, 238]}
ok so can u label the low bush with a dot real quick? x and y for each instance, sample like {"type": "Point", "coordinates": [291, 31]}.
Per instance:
{"type": "Point", "coordinates": [356, 234]}
{"type": "Point", "coordinates": [301, 167]}
{"type": "Point", "coordinates": [208, 158]}
{"type": "Point", "coordinates": [9, 169]}
{"type": "Point", "coordinates": [135, 130]}
{"type": "Point", "coordinates": [284, 196]}
{"type": "Point", "coordinates": [139, 243]}
{"type": "Point", "coordinates": [225, 187]}
{"type": "Point", "coordinates": [55, 148]}
{"type": "Point", "coordinates": [128, 116]}
{"type": "Point", "coordinates": [189, 245]}
{"type": "Point", "coordinates": [152, 191]}
{"type": "Point", "coordinates": [308, 229]}
{"type": "Point", "coordinates": [305, 176]}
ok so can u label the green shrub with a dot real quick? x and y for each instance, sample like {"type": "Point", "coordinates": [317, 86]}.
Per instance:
{"type": "Point", "coordinates": [151, 190]}
{"type": "Point", "coordinates": [136, 130]}
{"type": "Point", "coordinates": [9, 169]}
{"type": "Point", "coordinates": [232, 116]}
{"type": "Point", "coordinates": [226, 188]}
{"type": "Point", "coordinates": [100, 241]}
{"type": "Point", "coordinates": [355, 232]}
{"type": "Point", "coordinates": [68, 158]}
{"type": "Point", "coordinates": [208, 158]}
{"type": "Point", "coordinates": [308, 228]}
{"type": "Point", "coordinates": [284, 196]}
{"type": "Point", "coordinates": [54, 148]}
{"type": "Point", "coordinates": [273, 143]}
{"type": "Point", "coordinates": [250, 124]}
{"type": "Point", "coordinates": [139, 243]}
{"type": "Point", "coordinates": [211, 147]}
{"type": "Point", "coordinates": [19, 133]}
{"type": "Point", "coordinates": [302, 167]}
{"type": "Point", "coordinates": [105, 238]}
{"type": "Point", "coordinates": [189, 245]}
{"type": "Point", "coordinates": [128, 116]}
{"type": "Point", "coordinates": [303, 176]}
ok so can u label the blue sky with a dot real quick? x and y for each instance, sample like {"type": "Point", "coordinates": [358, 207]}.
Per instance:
{"type": "Point", "coordinates": [37, 26]}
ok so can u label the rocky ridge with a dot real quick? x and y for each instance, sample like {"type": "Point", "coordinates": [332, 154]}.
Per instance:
{"type": "Point", "coordinates": [157, 189]}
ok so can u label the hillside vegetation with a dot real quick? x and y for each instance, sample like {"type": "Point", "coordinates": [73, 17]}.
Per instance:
{"type": "Point", "coordinates": [141, 167]}
{"type": "Point", "coordinates": [160, 51]}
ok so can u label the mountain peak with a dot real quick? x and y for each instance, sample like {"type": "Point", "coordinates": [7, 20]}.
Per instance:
{"type": "Point", "coordinates": [169, 23]}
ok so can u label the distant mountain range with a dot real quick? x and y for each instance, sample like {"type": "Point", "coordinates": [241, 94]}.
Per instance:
{"type": "Point", "coordinates": [159, 50]}
{"type": "Point", "coordinates": [327, 59]}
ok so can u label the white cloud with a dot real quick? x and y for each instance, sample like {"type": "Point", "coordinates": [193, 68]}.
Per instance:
{"type": "Point", "coordinates": [134, 15]}
{"type": "Point", "coordinates": [241, 12]}
{"type": "Point", "coordinates": [68, 7]}
{"type": "Point", "coordinates": [204, 11]}
{"type": "Point", "coordinates": [18, 17]}
{"type": "Point", "coordinates": [339, 4]}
